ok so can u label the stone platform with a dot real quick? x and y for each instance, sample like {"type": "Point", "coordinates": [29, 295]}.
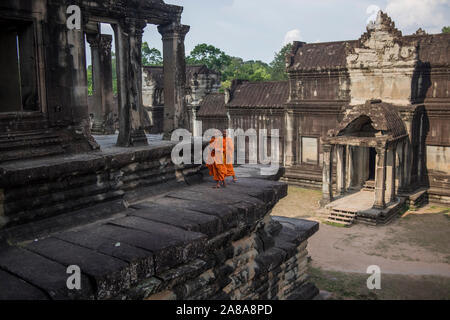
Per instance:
{"type": "Point", "coordinates": [358, 207]}
{"type": "Point", "coordinates": [139, 227]}
{"type": "Point", "coordinates": [192, 243]}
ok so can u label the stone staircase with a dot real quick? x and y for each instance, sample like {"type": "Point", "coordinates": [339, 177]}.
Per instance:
{"type": "Point", "coordinates": [30, 144]}
{"type": "Point", "coordinates": [345, 217]}
{"type": "Point", "coordinates": [369, 185]}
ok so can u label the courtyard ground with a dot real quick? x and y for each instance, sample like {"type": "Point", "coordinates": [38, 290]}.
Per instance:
{"type": "Point", "coordinates": [413, 252]}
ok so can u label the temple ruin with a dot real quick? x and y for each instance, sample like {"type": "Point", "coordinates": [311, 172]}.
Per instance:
{"type": "Point", "coordinates": [118, 209]}
{"type": "Point", "coordinates": [200, 82]}
{"type": "Point", "coordinates": [366, 121]}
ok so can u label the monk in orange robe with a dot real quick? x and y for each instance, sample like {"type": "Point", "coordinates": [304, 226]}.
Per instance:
{"type": "Point", "coordinates": [228, 149]}
{"type": "Point", "coordinates": [216, 162]}
{"type": "Point", "coordinates": [220, 160]}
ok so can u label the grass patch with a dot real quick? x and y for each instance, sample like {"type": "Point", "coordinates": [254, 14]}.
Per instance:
{"type": "Point", "coordinates": [353, 286]}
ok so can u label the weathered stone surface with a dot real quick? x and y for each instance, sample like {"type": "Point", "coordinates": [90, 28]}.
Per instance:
{"type": "Point", "coordinates": [111, 275]}
{"type": "Point", "coordinates": [35, 190]}
{"type": "Point", "coordinates": [43, 273]}
{"type": "Point", "coordinates": [185, 219]}
{"type": "Point", "coordinates": [167, 252]}
{"type": "Point", "coordinates": [141, 261]}
{"type": "Point", "coordinates": [190, 243]}
{"type": "Point", "coordinates": [297, 230]}
{"type": "Point", "coordinates": [13, 288]}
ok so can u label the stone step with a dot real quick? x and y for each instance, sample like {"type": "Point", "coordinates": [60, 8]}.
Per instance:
{"type": "Point", "coordinates": [31, 144]}
{"type": "Point", "coordinates": [369, 185]}
{"type": "Point", "coordinates": [344, 217]}
{"type": "Point", "coordinates": [340, 222]}
{"type": "Point", "coordinates": [341, 218]}
{"type": "Point", "coordinates": [344, 214]}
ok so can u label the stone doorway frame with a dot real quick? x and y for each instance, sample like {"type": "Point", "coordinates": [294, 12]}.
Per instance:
{"type": "Point", "coordinates": [389, 142]}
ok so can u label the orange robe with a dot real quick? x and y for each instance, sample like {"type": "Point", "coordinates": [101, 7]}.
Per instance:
{"type": "Point", "coordinates": [228, 147]}
{"type": "Point", "coordinates": [216, 166]}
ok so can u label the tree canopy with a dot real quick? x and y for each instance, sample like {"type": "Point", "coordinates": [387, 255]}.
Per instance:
{"type": "Point", "coordinates": [446, 29]}
{"type": "Point", "coordinates": [151, 56]}
{"type": "Point", "coordinates": [210, 56]}
{"type": "Point", "coordinates": [215, 59]}
{"type": "Point", "coordinates": [236, 68]}
{"type": "Point", "coordinates": [278, 65]}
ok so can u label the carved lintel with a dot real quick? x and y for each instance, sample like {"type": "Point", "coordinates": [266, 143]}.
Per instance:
{"type": "Point", "coordinates": [173, 30]}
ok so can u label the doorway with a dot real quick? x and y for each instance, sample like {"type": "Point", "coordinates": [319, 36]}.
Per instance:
{"type": "Point", "coordinates": [372, 163]}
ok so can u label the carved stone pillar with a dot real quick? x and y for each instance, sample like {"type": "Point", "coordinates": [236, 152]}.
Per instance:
{"type": "Point", "coordinates": [380, 178]}
{"type": "Point", "coordinates": [421, 155]}
{"type": "Point", "coordinates": [400, 161]}
{"type": "Point", "coordinates": [289, 138]}
{"type": "Point", "coordinates": [327, 184]}
{"type": "Point", "coordinates": [102, 83]}
{"type": "Point", "coordinates": [408, 155]}
{"type": "Point", "coordinates": [129, 82]}
{"type": "Point", "coordinates": [94, 43]}
{"type": "Point", "coordinates": [390, 175]}
{"type": "Point", "coordinates": [175, 113]}
{"type": "Point", "coordinates": [341, 171]}
{"type": "Point", "coordinates": [107, 84]}
{"type": "Point", "coordinates": [349, 168]}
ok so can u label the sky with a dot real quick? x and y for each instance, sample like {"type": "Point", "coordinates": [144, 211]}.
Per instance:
{"type": "Point", "coordinates": [256, 29]}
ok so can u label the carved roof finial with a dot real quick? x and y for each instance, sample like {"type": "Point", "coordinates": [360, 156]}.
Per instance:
{"type": "Point", "coordinates": [383, 23]}
{"type": "Point", "coordinates": [420, 32]}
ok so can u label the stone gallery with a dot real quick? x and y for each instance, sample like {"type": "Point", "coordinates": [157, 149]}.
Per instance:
{"type": "Point", "coordinates": [95, 218]}
{"type": "Point", "coordinates": [366, 121]}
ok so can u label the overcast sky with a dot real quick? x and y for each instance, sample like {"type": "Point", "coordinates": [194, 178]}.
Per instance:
{"type": "Point", "coordinates": [256, 29]}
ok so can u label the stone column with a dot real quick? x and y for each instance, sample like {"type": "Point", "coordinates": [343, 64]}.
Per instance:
{"type": "Point", "coordinates": [129, 82]}
{"type": "Point", "coordinates": [380, 178]}
{"type": "Point", "coordinates": [175, 113]}
{"type": "Point", "coordinates": [390, 175]}
{"type": "Point", "coordinates": [102, 83]}
{"type": "Point", "coordinates": [327, 183]}
{"type": "Point", "coordinates": [289, 138]}
{"type": "Point", "coordinates": [421, 155]}
{"type": "Point", "coordinates": [94, 43]}
{"type": "Point", "coordinates": [350, 168]}
{"type": "Point", "coordinates": [107, 84]}
{"type": "Point", "coordinates": [408, 156]}
{"type": "Point", "coordinates": [399, 175]}
{"type": "Point", "coordinates": [341, 171]}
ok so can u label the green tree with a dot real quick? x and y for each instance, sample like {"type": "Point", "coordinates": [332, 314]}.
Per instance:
{"type": "Point", "coordinates": [212, 57]}
{"type": "Point", "coordinates": [247, 70]}
{"type": "Point", "coordinates": [151, 56]}
{"type": "Point", "coordinates": [89, 80]}
{"type": "Point", "coordinates": [114, 76]}
{"type": "Point", "coordinates": [114, 72]}
{"type": "Point", "coordinates": [446, 29]}
{"type": "Point", "coordinates": [278, 65]}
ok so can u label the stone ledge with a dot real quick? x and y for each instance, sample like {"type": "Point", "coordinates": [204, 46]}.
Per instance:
{"type": "Point", "coordinates": [160, 243]}
{"type": "Point", "coordinates": [40, 189]}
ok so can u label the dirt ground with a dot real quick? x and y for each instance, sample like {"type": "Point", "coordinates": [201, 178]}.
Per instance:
{"type": "Point", "coordinates": [413, 252]}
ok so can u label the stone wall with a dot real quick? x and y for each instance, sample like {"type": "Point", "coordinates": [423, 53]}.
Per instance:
{"type": "Point", "coordinates": [383, 66]}
{"type": "Point", "coordinates": [243, 270]}
{"type": "Point", "coordinates": [41, 189]}
{"type": "Point", "coordinates": [179, 240]}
